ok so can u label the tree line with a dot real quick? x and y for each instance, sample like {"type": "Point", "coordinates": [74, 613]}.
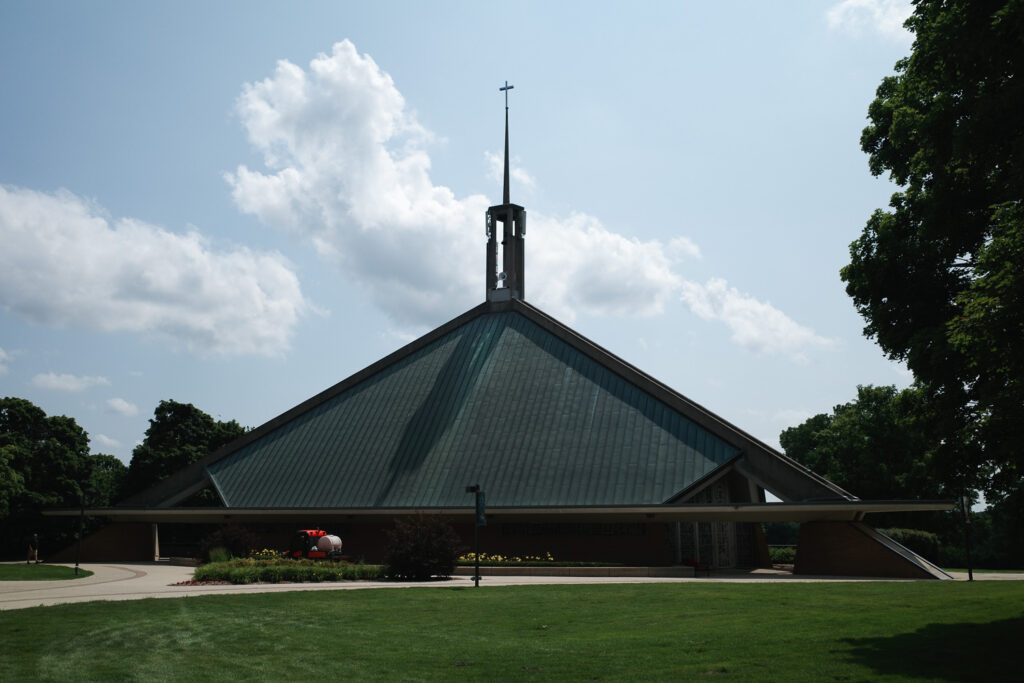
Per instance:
{"type": "Point", "coordinates": [45, 463]}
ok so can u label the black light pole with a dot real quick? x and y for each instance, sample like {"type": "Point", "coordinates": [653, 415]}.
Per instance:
{"type": "Point", "coordinates": [479, 521]}
{"type": "Point", "coordinates": [81, 528]}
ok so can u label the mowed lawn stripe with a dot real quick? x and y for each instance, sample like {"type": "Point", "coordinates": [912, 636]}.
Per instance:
{"type": "Point", "coordinates": [19, 571]}
{"type": "Point", "coordinates": [839, 631]}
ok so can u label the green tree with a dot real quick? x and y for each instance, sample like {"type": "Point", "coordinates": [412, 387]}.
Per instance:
{"type": "Point", "coordinates": [12, 484]}
{"type": "Point", "coordinates": [936, 277]}
{"type": "Point", "coordinates": [106, 479]}
{"type": "Point", "coordinates": [990, 334]}
{"type": "Point", "coordinates": [178, 435]}
{"type": "Point", "coordinates": [880, 446]}
{"type": "Point", "coordinates": [45, 463]}
{"type": "Point", "coordinates": [50, 454]}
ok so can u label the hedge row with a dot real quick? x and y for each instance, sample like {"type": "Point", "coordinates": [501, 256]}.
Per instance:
{"type": "Point", "coordinates": [924, 543]}
{"type": "Point", "coordinates": [782, 554]}
{"type": "Point", "coordinates": [241, 571]}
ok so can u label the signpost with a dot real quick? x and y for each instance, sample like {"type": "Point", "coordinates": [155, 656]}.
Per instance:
{"type": "Point", "coordinates": [481, 520]}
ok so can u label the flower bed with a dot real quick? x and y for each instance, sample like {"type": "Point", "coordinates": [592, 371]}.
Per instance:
{"type": "Point", "coordinates": [546, 560]}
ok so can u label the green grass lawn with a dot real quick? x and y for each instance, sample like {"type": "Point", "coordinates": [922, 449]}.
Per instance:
{"type": "Point", "coordinates": [763, 632]}
{"type": "Point", "coordinates": [39, 572]}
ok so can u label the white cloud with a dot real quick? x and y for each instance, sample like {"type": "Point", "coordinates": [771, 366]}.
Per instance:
{"type": "Point", "coordinates": [755, 325]}
{"type": "Point", "coordinates": [5, 358]}
{"type": "Point", "coordinates": [65, 263]}
{"type": "Point", "coordinates": [684, 247]}
{"type": "Point", "coordinates": [63, 382]}
{"type": "Point", "coordinates": [346, 170]}
{"type": "Point", "coordinates": [518, 177]}
{"type": "Point", "coordinates": [122, 407]}
{"type": "Point", "coordinates": [579, 266]}
{"type": "Point", "coordinates": [106, 441]}
{"type": "Point", "coordinates": [884, 17]}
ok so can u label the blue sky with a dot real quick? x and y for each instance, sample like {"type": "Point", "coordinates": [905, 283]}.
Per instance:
{"type": "Point", "coordinates": [238, 205]}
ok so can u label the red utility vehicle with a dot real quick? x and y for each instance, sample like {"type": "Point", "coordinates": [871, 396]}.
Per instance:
{"type": "Point", "coordinates": [315, 544]}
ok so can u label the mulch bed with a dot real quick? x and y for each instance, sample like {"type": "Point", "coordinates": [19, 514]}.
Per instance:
{"type": "Point", "coordinates": [218, 582]}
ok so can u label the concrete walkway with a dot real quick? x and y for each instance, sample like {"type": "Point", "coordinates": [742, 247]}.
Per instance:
{"type": "Point", "coordinates": [155, 580]}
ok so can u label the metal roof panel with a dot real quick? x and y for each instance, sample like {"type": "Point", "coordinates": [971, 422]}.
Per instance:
{"type": "Point", "coordinates": [499, 401]}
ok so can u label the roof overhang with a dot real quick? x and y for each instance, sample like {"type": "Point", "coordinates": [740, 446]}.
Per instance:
{"type": "Point", "coordinates": [735, 512]}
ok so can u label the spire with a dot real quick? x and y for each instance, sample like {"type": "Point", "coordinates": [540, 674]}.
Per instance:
{"type": "Point", "coordinates": [509, 283]}
{"type": "Point", "coordinates": [504, 194]}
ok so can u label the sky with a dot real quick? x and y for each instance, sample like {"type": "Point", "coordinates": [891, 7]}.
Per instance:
{"type": "Point", "coordinates": [239, 204]}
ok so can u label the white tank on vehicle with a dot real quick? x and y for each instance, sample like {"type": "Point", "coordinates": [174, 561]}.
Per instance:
{"type": "Point", "coordinates": [329, 544]}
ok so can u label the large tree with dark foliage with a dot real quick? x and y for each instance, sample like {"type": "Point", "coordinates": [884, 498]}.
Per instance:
{"type": "Point", "coordinates": [880, 446]}
{"type": "Point", "coordinates": [938, 276]}
{"type": "Point", "coordinates": [179, 434]}
{"type": "Point", "coordinates": [45, 463]}
{"type": "Point", "coordinates": [50, 456]}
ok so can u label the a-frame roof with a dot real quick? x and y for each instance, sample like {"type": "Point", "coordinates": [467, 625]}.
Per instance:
{"type": "Point", "coordinates": [503, 396]}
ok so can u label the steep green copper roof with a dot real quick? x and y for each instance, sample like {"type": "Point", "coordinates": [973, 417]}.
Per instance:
{"type": "Point", "coordinates": [497, 399]}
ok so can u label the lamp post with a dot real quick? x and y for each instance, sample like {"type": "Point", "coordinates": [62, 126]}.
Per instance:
{"type": "Point", "coordinates": [479, 521]}
{"type": "Point", "coordinates": [81, 530]}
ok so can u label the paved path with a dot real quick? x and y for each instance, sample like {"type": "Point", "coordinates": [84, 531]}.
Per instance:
{"type": "Point", "coordinates": [155, 580]}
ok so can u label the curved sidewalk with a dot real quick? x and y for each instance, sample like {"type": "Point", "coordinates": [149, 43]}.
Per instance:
{"type": "Point", "coordinates": [119, 581]}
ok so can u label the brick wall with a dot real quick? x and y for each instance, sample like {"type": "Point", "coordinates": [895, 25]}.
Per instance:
{"type": "Point", "coordinates": [841, 549]}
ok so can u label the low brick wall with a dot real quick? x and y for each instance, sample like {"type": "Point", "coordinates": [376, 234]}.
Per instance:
{"type": "Point", "coordinates": [680, 572]}
{"type": "Point", "coordinates": [842, 549]}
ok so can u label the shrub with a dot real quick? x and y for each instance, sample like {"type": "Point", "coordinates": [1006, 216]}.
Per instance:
{"type": "Point", "coordinates": [782, 554]}
{"type": "Point", "coordinates": [235, 539]}
{"type": "Point", "coordinates": [420, 548]}
{"type": "Point", "coordinates": [244, 571]}
{"type": "Point", "coordinates": [219, 554]}
{"type": "Point", "coordinates": [924, 543]}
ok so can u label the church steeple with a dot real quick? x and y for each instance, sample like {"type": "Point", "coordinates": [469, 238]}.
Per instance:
{"type": "Point", "coordinates": [504, 193]}
{"type": "Point", "coordinates": [509, 283]}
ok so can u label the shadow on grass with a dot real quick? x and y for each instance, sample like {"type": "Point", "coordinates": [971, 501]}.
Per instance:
{"type": "Point", "coordinates": [948, 652]}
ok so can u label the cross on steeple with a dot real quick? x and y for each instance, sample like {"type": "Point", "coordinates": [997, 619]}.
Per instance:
{"type": "Point", "coordinates": [505, 90]}
{"type": "Point", "coordinates": [513, 220]}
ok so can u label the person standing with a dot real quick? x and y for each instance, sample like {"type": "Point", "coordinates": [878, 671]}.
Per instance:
{"type": "Point", "coordinates": [33, 550]}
